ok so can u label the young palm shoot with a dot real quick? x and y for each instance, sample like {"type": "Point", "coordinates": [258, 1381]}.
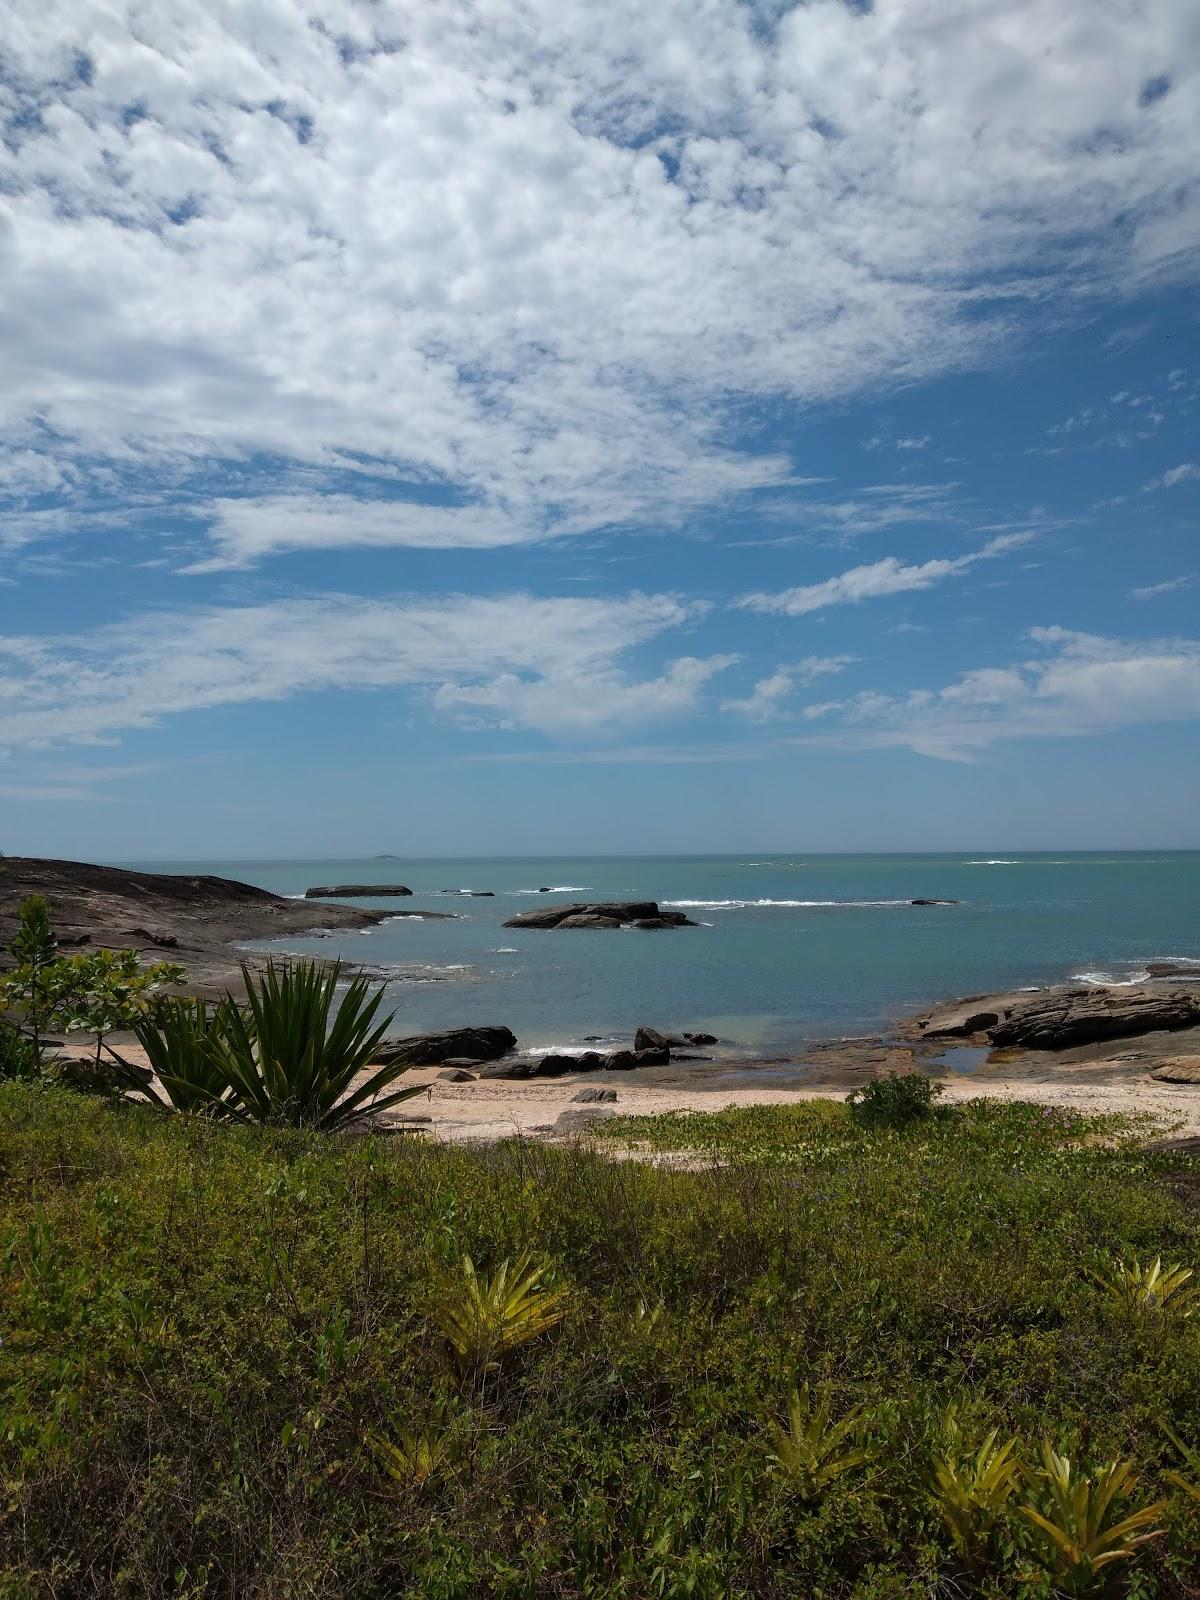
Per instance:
{"type": "Point", "coordinates": [183, 1044]}
{"type": "Point", "coordinates": [411, 1457]}
{"type": "Point", "coordinates": [972, 1483]}
{"type": "Point", "coordinates": [494, 1313]}
{"type": "Point", "coordinates": [1190, 1486]}
{"type": "Point", "coordinates": [811, 1449]}
{"type": "Point", "coordinates": [1082, 1530]}
{"type": "Point", "coordinates": [1152, 1287]}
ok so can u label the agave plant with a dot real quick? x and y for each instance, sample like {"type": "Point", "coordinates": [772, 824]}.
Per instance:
{"type": "Point", "coordinates": [971, 1485]}
{"type": "Point", "coordinates": [286, 1061]}
{"type": "Point", "coordinates": [1081, 1528]}
{"type": "Point", "coordinates": [494, 1313]}
{"type": "Point", "coordinates": [183, 1042]}
{"type": "Point", "coordinates": [811, 1449]}
{"type": "Point", "coordinates": [1152, 1287]}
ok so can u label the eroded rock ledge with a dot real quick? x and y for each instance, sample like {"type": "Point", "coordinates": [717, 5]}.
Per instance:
{"type": "Point", "coordinates": [601, 914]}
{"type": "Point", "coordinates": [1063, 1018]}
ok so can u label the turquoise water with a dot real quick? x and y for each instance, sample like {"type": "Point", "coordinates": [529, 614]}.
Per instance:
{"type": "Point", "coordinates": [793, 947]}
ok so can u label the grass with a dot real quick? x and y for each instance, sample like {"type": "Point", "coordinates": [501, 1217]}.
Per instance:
{"type": "Point", "coordinates": [224, 1371]}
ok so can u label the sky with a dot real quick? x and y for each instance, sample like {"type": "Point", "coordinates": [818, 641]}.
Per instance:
{"type": "Point", "coordinates": [528, 426]}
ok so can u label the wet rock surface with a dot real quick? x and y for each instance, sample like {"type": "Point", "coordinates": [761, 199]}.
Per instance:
{"type": "Point", "coordinates": [601, 914]}
{"type": "Point", "coordinates": [487, 1043]}
{"type": "Point", "coordinates": [1063, 1018]}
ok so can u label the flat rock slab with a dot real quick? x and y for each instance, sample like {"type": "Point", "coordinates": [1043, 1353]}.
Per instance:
{"type": "Point", "coordinates": [601, 914]}
{"type": "Point", "coordinates": [342, 890]}
{"type": "Point", "coordinates": [1178, 1069]}
{"type": "Point", "coordinates": [1062, 1018]}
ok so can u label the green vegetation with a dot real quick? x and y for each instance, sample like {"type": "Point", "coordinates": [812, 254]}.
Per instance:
{"type": "Point", "coordinates": [229, 1362]}
{"type": "Point", "coordinates": [894, 1100]}
{"type": "Point", "coordinates": [290, 1056]}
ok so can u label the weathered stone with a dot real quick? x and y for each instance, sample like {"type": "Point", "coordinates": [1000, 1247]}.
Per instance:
{"type": "Point", "coordinates": [576, 1118]}
{"type": "Point", "coordinates": [509, 1069]}
{"type": "Point", "coordinates": [432, 1049]}
{"type": "Point", "coordinates": [1061, 1018]}
{"type": "Point", "coordinates": [333, 891]}
{"type": "Point", "coordinates": [1178, 1069]}
{"type": "Point", "coordinates": [586, 914]}
{"type": "Point", "coordinates": [587, 1097]}
{"type": "Point", "coordinates": [555, 1066]}
{"type": "Point", "coordinates": [458, 1075]}
{"type": "Point", "coordinates": [701, 1038]}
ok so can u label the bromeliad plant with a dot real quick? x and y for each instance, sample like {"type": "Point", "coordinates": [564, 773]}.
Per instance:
{"type": "Point", "coordinates": [495, 1313]}
{"type": "Point", "coordinates": [290, 1057]}
{"type": "Point", "coordinates": [972, 1483]}
{"type": "Point", "coordinates": [1151, 1288]}
{"type": "Point", "coordinates": [811, 1449]}
{"type": "Point", "coordinates": [1082, 1532]}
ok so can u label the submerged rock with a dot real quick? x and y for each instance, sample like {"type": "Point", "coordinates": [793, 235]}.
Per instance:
{"type": "Point", "coordinates": [935, 902]}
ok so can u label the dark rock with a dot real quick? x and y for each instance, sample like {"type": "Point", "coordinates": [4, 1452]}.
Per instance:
{"type": "Point", "coordinates": [458, 1075]}
{"type": "Point", "coordinates": [167, 941]}
{"type": "Point", "coordinates": [653, 924]}
{"type": "Point", "coordinates": [544, 889]}
{"type": "Point", "coordinates": [432, 1049]}
{"type": "Point", "coordinates": [589, 1097]}
{"type": "Point", "coordinates": [554, 1066]}
{"type": "Point", "coordinates": [1173, 969]}
{"type": "Point", "coordinates": [935, 902]}
{"type": "Point", "coordinates": [621, 1061]}
{"type": "Point", "coordinates": [516, 1070]}
{"type": "Point", "coordinates": [651, 1039]}
{"type": "Point", "coordinates": [615, 913]}
{"type": "Point", "coordinates": [701, 1038]}
{"type": "Point", "coordinates": [576, 1118]}
{"type": "Point", "coordinates": [333, 891]}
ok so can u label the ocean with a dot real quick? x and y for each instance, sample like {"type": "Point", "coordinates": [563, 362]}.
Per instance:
{"type": "Point", "coordinates": [792, 948]}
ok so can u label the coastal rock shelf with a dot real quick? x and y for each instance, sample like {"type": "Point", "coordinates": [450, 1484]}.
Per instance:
{"type": "Point", "coordinates": [601, 914]}
{"type": "Point", "coordinates": [1060, 1019]}
{"type": "Point", "coordinates": [457, 1044]}
{"type": "Point", "coordinates": [351, 890]}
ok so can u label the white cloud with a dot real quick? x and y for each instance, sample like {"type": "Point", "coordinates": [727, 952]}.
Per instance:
{"type": "Point", "coordinates": [1187, 472]}
{"type": "Point", "coordinates": [538, 255]}
{"type": "Point", "coordinates": [876, 579]}
{"type": "Point", "coordinates": [771, 694]}
{"type": "Point", "coordinates": [1080, 684]}
{"type": "Point", "coordinates": [1152, 591]}
{"type": "Point", "coordinates": [552, 664]}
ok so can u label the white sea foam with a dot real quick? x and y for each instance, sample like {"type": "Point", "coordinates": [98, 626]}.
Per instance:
{"type": "Point", "coordinates": [737, 905]}
{"type": "Point", "coordinates": [558, 888]}
{"type": "Point", "coordinates": [1109, 980]}
{"type": "Point", "coordinates": [504, 950]}
{"type": "Point", "coordinates": [995, 861]}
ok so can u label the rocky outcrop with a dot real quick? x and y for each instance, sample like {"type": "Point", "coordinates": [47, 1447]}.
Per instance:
{"type": "Point", "coordinates": [432, 1049]}
{"type": "Point", "coordinates": [935, 902]}
{"type": "Point", "coordinates": [1178, 1069]}
{"type": "Point", "coordinates": [601, 914]}
{"type": "Point", "coordinates": [197, 916]}
{"type": "Point", "coordinates": [1061, 1018]}
{"type": "Point", "coordinates": [355, 891]}
{"type": "Point", "coordinates": [594, 1097]}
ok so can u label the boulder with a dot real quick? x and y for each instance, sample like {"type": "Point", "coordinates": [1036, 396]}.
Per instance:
{"type": "Point", "coordinates": [1061, 1018]}
{"type": "Point", "coordinates": [432, 1049]}
{"type": "Point", "coordinates": [935, 902]}
{"type": "Point", "coordinates": [457, 1075]}
{"type": "Point", "coordinates": [594, 1097]}
{"type": "Point", "coordinates": [701, 1038]}
{"type": "Point", "coordinates": [334, 891]}
{"type": "Point", "coordinates": [1178, 1069]}
{"type": "Point", "coordinates": [600, 914]}
{"type": "Point", "coordinates": [509, 1069]}
{"type": "Point", "coordinates": [576, 1118]}
{"type": "Point", "coordinates": [651, 1039]}
{"type": "Point", "coordinates": [555, 1066]}
{"type": "Point", "coordinates": [628, 1060]}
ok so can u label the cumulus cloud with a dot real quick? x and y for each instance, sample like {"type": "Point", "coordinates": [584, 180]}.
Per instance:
{"type": "Point", "coordinates": [1080, 683]}
{"type": "Point", "coordinates": [876, 579]}
{"type": "Point", "coordinates": [541, 257]}
{"type": "Point", "coordinates": [516, 660]}
{"type": "Point", "coordinates": [770, 695]}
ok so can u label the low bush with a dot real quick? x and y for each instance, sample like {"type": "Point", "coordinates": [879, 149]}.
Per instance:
{"type": "Point", "coordinates": [225, 1370]}
{"type": "Point", "coordinates": [894, 1100]}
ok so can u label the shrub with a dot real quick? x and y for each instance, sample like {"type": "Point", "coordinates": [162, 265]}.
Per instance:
{"type": "Point", "coordinates": [19, 1056]}
{"type": "Point", "coordinates": [894, 1100]}
{"type": "Point", "coordinates": [1083, 1522]}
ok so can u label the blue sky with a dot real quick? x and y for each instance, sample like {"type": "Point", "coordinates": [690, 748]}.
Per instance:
{"type": "Point", "coordinates": [552, 428]}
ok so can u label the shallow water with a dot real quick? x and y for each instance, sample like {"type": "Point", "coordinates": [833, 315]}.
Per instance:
{"type": "Point", "coordinates": [793, 947]}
